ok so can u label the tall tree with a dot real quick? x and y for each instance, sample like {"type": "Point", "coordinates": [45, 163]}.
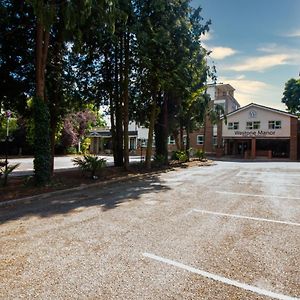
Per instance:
{"type": "Point", "coordinates": [54, 17]}
{"type": "Point", "coordinates": [16, 55]}
{"type": "Point", "coordinates": [291, 96]}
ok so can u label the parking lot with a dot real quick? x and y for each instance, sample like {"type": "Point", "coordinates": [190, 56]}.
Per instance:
{"type": "Point", "coordinates": [227, 231]}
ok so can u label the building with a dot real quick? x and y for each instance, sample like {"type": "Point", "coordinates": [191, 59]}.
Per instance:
{"type": "Point", "coordinates": [256, 130]}
{"type": "Point", "coordinates": [101, 139]}
{"type": "Point", "coordinates": [206, 138]}
{"type": "Point", "coordinates": [222, 95]}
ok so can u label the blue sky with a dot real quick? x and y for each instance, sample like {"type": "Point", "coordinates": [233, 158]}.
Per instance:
{"type": "Point", "coordinates": [255, 46]}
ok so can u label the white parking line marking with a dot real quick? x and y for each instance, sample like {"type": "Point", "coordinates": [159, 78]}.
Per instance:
{"type": "Point", "coordinates": [219, 278]}
{"type": "Point", "coordinates": [265, 181]}
{"type": "Point", "coordinates": [255, 195]}
{"type": "Point", "coordinates": [244, 217]}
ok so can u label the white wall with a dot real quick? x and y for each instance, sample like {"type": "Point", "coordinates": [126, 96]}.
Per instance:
{"type": "Point", "coordinates": [211, 90]}
{"type": "Point", "coordinates": [262, 115]}
{"type": "Point", "coordinates": [142, 133]}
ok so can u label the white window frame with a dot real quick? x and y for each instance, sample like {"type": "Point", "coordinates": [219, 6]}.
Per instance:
{"type": "Point", "coordinates": [171, 140]}
{"type": "Point", "coordinates": [200, 142]}
{"type": "Point", "coordinates": [275, 124]}
{"type": "Point", "coordinates": [253, 125]}
{"type": "Point", "coordinates": [233, 125]}
{"type": "Point", "coordinates": [143, 142]}
{"type": "Point", "coordinates": [215, 140]}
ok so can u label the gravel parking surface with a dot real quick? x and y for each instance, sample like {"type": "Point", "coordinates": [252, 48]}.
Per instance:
{"type": "Point", "coordinates": [228, 231]}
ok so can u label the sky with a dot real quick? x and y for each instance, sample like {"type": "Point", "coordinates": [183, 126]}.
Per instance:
{"type": "Point", "coordinates": [255, 46]}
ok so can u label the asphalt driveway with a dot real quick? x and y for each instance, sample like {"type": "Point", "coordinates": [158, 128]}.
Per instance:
{"type": "Point", "coordinates": [228, 231]}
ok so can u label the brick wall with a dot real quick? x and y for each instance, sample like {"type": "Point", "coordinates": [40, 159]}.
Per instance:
{"type": "Point", "coordinates": [208, 143]}
{"type": "Point", "coordinates": [294, 139]}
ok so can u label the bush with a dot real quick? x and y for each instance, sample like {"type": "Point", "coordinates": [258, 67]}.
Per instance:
{"type": "Point", "coordinates": [200, 154]}
{"type": "Point", "coordinates": [174, 155]}
{"type": "Point", "coordinates": [5, 171]}
{"type": "Point", "coordinates": [90, 164]}
{"type": "Point", "coordinates": [159, 160]}
{"type": "Point", "coordinates": [85, 145]}
{"type": "Point", "coordinates": [182, 156]}
{"type": "Point", "coordinates": [71, 150]}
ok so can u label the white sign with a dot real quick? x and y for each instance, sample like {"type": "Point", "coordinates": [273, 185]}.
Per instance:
{"type": "Point", "coordinates": [254, 133]}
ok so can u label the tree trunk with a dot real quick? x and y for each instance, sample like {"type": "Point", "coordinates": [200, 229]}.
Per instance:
{"type": "Point", "coordinates": [150, 134]}
{"type": "Point", "coordinates": [126, 102]}
{"type": "Point", "coordinates": [188, 130]}
{"type": "Point", "coordinates": [161, 131]}
{"type": "Point", "coordinates": [165, 127]}
{"type": "Point", "coordinates": [42, 44]}
{"type": "Point", "coordinates": [42, 153]}
{"type": "Point", "coordinates": [56, 89]}
{"type": "Point", "coordinates": [118, 136]}
{"type": "Point", "coordinates": [176, 138]}
{"type": "Point", "coordinates": [110, 88]}
{"type": "Point", "coordinates": [53, 126]}
{"type": "Point", "coordinates": [181, 136]}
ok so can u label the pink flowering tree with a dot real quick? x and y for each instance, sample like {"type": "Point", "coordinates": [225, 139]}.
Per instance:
{"type": "Point", "coordinates": [76, 126]}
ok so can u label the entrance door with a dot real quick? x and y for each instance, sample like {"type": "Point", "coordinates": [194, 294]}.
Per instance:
{"type": "Point", "coordinates": [243, 147]}
{"type": "Point", "coordinates": [132, 143]}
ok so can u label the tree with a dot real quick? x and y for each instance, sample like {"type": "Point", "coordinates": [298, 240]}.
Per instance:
{"type": "Point", "coordinates": [76, 126]}
{"type": "Point", "coordinates": [53, 20]}
{"type": "Point", "coordinates": [291, 96]}
{"type": "Point", "coordinates": [16, 55]}
{"type": "Point", "coordinates": [182, 95]}
{"type": "Point", "coordinates": [156, 63]}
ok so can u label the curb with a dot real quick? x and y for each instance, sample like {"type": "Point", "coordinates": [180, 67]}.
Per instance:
{"type": "Point", "coordinates": [41, 196]}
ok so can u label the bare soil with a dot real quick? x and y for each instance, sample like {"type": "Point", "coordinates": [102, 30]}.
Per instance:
{"type": "Point", "coordinates": [23, 186]}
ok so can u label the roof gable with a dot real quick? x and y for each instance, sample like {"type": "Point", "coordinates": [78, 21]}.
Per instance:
{"type": "Point", "coordinates": [255, 105]}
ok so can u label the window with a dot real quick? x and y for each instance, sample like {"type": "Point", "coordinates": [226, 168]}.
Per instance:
{"type": "Point", "coordinates": [217, 107]}
{"type": "Point", "coordinates": [132, 143]}
{"type": "Point", "coordinates": [253, 125]}
{"type": "Point", "coordinates": [184, 140]}
{"type": "Point", "coordinates": [256, 125]}
{"type": "Point", "coordinates": [233, 125]}
{"type": "Point", "coordinates": [215, 140]}
{"type": "Point", "coordinates": [143, 142]}
{"type": "Point", "coordinates": [171, 140]}
{"type": "Point", "coordinates": [274, 124]}
{"type": "Point", "coordinates": [200, 139]}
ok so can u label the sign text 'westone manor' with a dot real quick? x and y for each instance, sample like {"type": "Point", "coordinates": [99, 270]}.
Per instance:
{"type": "Point", "coordinates": [254, 133]}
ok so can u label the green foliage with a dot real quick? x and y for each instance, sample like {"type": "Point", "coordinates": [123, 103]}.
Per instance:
{"type": "Point", "coordinates": [182, 156]}
{"type": "Point", "coordinates": [13, 126]}
{"type": "Point", "coordinates": [90, 164]}
{"type": "Point", "coordinates": [101, 52]}
{"type": "Point", "coordinates": [200, 154]}
{"type": "Point", "coordinates": [42, 155]}
{"type": "Point", "coordinates": [291, 96]}
{"type": "Point", "coordinates": [159, 160]}
{"type": "Point", "coordinates": [71, 150]}
{"type": "Point", "coordinates": [174, 155]}
{"type": "Point", "coordinates": [5, 171]}
{"type": "Point", "coordinates": [85, 144]}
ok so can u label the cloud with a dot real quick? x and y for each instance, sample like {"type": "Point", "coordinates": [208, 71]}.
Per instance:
{"type": "Point", "coordinates": [207, 36]}
{"type": "Point", "coordinates": [294, 33]}
{"type": "Point", "coordinates": [222, 52]}
{"type": "Point", "coordinates": [248, 91]}
{"type": "Point", "coordinates": [260, 63]}
{"type": "Point", "coordinates": [270, 48]}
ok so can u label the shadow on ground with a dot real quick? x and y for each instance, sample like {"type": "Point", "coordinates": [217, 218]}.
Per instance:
{"type": "Point", "coordinates": [108, 197]}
